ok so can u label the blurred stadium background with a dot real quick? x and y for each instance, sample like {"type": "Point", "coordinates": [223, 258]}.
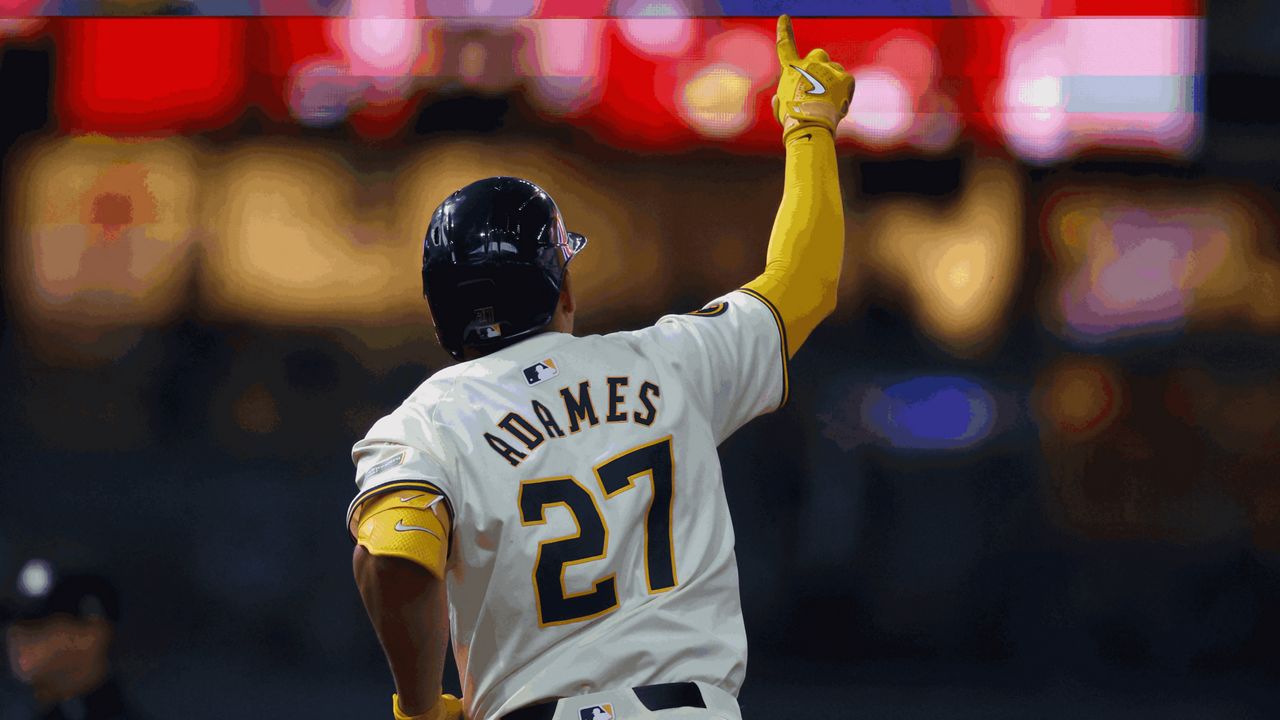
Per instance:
{"type": "Point", "coordinates": [1029, 470]}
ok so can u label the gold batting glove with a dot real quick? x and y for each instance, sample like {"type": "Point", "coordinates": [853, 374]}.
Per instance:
{"type": "Point", "coordinates": [813, 91]}
{"type": "Point", "coordinates": [448, 708]}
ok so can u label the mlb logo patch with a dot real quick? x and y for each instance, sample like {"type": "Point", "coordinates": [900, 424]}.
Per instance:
{"type": "Point", "coordinates": [540, 371]}
{"type": "Point", "coordinates": [597, 712]}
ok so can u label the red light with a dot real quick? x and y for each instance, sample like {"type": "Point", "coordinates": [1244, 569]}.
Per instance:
{"type": "Point", "coordinates": [1129, 8]}
{"type": "Point", "coordinates": [147, 75]}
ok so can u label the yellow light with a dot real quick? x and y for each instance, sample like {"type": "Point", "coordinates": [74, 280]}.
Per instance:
{"type": "Point", "coordinates": [956, 267]}
{"type": "Point", "coordinates": [288, 245]}
{"type": "Point", "coordinates": [100, 230]}
{"type": "Point", "coordinates": [716, 101]}
{"type": "Point", "coordinates": [956, 264]}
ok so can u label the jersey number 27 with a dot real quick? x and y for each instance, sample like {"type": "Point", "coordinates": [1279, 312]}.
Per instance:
{"type": "Point", "coordinates": [591, 542]}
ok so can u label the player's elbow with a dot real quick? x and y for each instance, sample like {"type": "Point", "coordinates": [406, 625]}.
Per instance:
{"type": "Point", "coordinates": [375, 575]}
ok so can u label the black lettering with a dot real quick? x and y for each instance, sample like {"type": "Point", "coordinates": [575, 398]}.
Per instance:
{"type": "Point", "coordinates": [651, 411]}
{"type": "Point", "coordinates": [501, 447]}
{"type": "Point", "coordinates": [579, 408]}
{"type": "Point", "coordinates": [527, 433]}
{"type": "Point", "coordinates": [547, 419]}
{"type": "Point", "coordinates": [615, 399]}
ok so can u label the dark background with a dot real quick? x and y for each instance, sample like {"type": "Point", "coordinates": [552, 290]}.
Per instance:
{"type": "Point", "coordinates": [1134, 572]}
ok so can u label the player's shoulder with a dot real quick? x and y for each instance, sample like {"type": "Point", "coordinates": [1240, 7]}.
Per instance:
{"type": "Point", "coordinates": [429, 393]}
{"type": "Point", "coordinates": [410, 421]}
{"type": "Point", "coordinates": [452, 390]}
{"type": "Point", "coordinates": [438, 386]}
{"type": "Point", "coordinates": [728, 310]}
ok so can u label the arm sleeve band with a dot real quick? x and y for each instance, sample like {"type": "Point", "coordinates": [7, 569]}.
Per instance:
{"type": "Point", "coordinates": [416, 529]}
{"type": "Point", "coordinates": [448, 708]}
{"type": "Point", "coordinates": [806, 248]}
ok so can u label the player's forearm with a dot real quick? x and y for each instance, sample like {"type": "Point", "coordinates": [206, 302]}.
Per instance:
{"type": "Point", "coordinates": [406, 604]}
{"type": "Point", "coordinates": [806, 248]}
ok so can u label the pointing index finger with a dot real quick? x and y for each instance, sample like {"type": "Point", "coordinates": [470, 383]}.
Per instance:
{"type": "Point", "coordinates": [787, 53]}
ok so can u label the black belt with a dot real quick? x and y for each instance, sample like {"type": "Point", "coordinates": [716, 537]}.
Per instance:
{"type": "Point", "coordinates": [653, 697]}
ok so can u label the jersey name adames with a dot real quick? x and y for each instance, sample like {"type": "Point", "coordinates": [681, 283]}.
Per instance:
{"type": "Point", "coordinates": [579, 412]}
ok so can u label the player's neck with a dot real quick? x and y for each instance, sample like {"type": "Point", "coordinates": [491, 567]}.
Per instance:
{"type": "Point", "coordinates": [470, 353]}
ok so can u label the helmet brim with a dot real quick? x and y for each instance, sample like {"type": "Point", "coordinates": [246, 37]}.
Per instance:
{"type": "Point", "coordinates": [576, 243]}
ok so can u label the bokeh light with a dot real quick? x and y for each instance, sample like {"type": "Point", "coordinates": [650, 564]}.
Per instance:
{"type": "Point", "coordinates": [953, 265]}
{"type": "Point", "coordinates": [656, 27]}
{"type": "Point", "coordinates": [197, 329]}
{"type": "Point", "coordinates": [35, 579]}
{"type": "Point", "coordinates": [156, 76]}
{"type": "Point", "coordinates": [566, 66]}
{"type": "Point", "coordinates": [717, 101]}
{"type": "Point", "coordinates": [748, 49]}
{"type": "Point", "coordinates": [881, 113]}
{"type": "Point", "coordinates": [100, 235]}
{"type": "Point", "coordinates": [20, 27]}
{"type": "Point", "coordinates": [1058, 86]}
{"type": "Point", "coordinates": [913, 58]}
{"type": "Point", "coordinates": [323, 93]}
{"type": "Point", "coordinates": [471, 10]}
{"type": "Point", "coordinates": [285, 225]}
{"type": "Point", "coordinates": [381, 44]}
{"type": "Point", "coordinates": [1130, 263]}
{"type": "Point", "coordinates": [1070, 83]}
{"type": "Point", "coordinates": [930, 413]}
{"type": "Point", "coordinates": [938, 124]}
{"type": "Point", "coordinates": [1079, 397]}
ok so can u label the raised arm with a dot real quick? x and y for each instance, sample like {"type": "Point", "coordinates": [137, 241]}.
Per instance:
{"type": "Point", "coordinates": [806, 248]}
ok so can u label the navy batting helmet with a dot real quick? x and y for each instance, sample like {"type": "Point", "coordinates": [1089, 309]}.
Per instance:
{"type": "Point", "coordinates": [493, 263]}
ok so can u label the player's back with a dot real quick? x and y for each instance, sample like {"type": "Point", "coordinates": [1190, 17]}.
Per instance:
{"type": "Point", "coordinates": [592, 546]}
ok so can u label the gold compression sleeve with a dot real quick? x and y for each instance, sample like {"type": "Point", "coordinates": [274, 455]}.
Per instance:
{"type": "Point", "coordinates": [447, 708]}
{"type": "Point", "coordinates": [406, 524]}
{"type": "Point", "coordinates": [806, 248]}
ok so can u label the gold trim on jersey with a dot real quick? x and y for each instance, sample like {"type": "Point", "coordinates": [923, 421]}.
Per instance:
{"type": "Point", "coordinates": [782, 334]}
{"type": "Point", "coordinates": [610, 383]}
{"type": "Point", "coordinates": [587, 417]}
{"type": "Point", "coordinates": [711, 310]}
{"type": "Point", "coordinates": [671, 512]}
{"type": "Point", "coordinates": [537, 561]}
{"type": "Point", "coordinates": [649, 405]}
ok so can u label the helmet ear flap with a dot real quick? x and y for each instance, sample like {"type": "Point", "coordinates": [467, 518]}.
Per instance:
{"type": "Point", "coordinates": [442, 337]}
{"type": "Point", "coordinates": [456, 354]}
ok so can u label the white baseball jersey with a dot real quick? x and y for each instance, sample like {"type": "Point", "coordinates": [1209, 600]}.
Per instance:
{"type": "Point", "coordinates": [591, 546]}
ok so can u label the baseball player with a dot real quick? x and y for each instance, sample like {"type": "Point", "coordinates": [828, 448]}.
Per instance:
{"type": "Point", "coordinates": [554, 502]}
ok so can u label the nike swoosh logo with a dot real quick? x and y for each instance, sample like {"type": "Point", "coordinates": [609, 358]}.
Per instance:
{"type": "Point", "coordinates": [401, 527]}
{"type": "Point", "coordinates": [806, 136]}
{"type": "Point", "coordinates": [412, 497]}
{"type": "Point", "coordinates": [818, 88]}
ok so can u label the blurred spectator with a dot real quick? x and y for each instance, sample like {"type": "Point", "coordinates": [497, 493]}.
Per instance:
{"type": "Point", "coordinates": [59, 637]}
